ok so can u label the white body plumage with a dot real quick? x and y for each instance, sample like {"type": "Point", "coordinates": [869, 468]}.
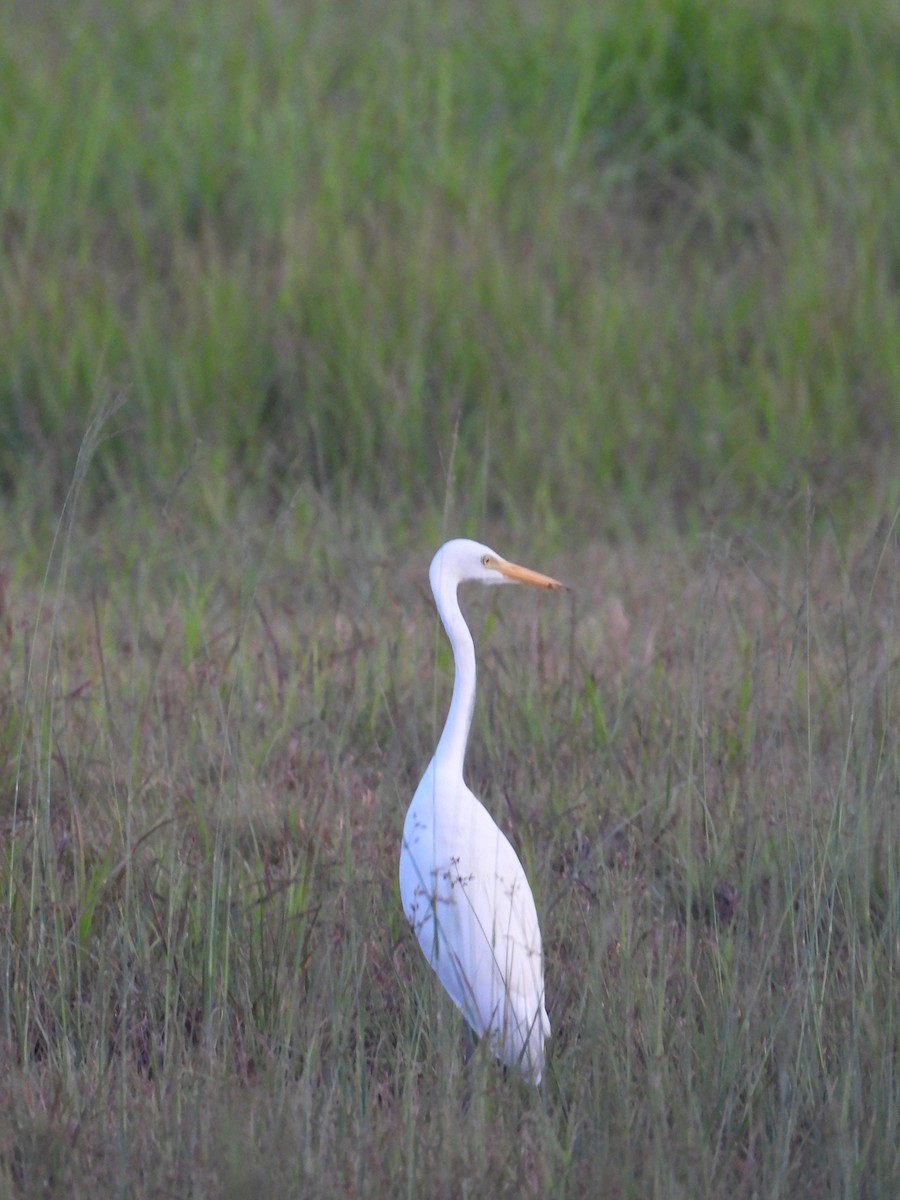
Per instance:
{"type": "Point", "coordinates": [463, 888]}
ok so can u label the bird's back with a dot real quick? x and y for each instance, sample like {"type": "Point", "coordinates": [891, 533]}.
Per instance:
{"type": "Point", "coordinates": [467, 897]}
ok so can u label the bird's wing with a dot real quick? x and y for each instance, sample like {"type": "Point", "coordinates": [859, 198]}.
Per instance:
{"type": "Point", "coordinates": [467, 897]}
{"type": "Point", "coordinates": [489, 923]}
{"type": "Point", "coordinates": [498, 960]}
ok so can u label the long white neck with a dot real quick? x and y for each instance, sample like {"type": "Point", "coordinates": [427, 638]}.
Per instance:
{"type": "Point", "coordinates": [451, 748]}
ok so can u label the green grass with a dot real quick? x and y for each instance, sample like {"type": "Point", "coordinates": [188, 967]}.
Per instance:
{"type": "Point", "coordinates": [639, 257]}
{"type": "Point", "coordinates": [208, 985]}
{"type": "Point", "coordinates": [288, 293]}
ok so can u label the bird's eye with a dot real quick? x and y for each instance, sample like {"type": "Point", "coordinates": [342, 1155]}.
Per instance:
{"type": "Point", "coordinates": [486, 560]}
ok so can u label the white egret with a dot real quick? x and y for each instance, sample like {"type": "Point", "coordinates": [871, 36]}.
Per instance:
{"type": "Point", "coordinates": [463, 888]}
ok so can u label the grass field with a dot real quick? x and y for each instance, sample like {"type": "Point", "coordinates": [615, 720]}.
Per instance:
{"type": "Point", "coordinates": [289, 293]}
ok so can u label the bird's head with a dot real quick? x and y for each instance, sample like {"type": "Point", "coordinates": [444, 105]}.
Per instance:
{"type": "Point", "coordinates": [462, 560]}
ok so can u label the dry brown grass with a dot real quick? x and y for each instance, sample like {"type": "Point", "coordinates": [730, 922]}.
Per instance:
{"type": "Point", "coordinates": [208, 985]}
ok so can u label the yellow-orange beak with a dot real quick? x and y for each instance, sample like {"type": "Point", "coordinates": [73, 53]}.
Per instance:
{"type": "Point", "coordinates": [516, 574]}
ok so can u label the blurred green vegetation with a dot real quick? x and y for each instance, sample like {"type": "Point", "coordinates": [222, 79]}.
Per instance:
{"type": "Point", "coordinates": [611, 259]}
{"type": "Point", "coordinates": [288, 290]}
